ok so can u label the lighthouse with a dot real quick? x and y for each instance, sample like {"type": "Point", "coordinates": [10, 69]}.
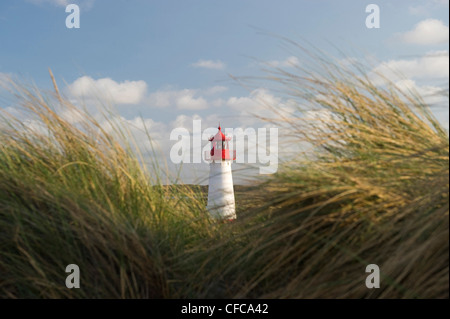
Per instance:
{"type": "Point", "coordinates": [221, 203]}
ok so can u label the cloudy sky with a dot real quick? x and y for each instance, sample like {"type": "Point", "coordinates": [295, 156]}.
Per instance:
{"type": "Point", "coordinates": [169, 62]}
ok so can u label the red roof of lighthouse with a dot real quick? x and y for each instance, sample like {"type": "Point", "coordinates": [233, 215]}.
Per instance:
{"type": "Point", "coordinates": [220, 150]}
{"type": "Point", "coordinates": [219, 136]}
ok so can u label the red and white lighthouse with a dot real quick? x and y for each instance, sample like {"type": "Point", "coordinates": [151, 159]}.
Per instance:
{"type": "Point", "coordinates": [221, 202]}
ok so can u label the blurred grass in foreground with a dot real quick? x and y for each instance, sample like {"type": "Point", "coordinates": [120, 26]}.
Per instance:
{"type": "Point", "coordinates": [374, 189]}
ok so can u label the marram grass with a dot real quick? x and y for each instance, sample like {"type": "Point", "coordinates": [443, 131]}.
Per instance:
{"type": "Point", "coordinates": [372, 190]}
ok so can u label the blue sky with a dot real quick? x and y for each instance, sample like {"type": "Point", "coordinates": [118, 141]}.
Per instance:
{"type": "Point", "coordinates": [169, 61]}
{"type": "Point", "coordinates": [157, 41]}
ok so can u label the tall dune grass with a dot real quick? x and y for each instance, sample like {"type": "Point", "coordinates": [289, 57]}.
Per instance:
{"type": "Point", "coordinates": [373, 190]}
{"type": "Point", "coordinates": [77, 195]}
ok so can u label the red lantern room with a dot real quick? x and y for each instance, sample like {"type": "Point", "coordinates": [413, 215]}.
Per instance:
{"type": "Point", "coordinates": [219, 147]}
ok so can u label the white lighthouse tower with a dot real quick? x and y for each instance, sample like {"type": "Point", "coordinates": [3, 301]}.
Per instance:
{"type": "Point", "coordinates": [221, 203]}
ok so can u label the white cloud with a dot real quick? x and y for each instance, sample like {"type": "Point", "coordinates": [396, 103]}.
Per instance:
{"type": "Point", "coordinates": [127, 92]}
{"type": "Point", "coordinates": [209, 64]}
{"type": "Point", "coordinates": [185, 121]}
{"type": "Point", "coordinates": [257, 98]}
{"type": "Point", "coordinates": [291, 61]}
{"type": "Point", "coordinates": [433, 65]}
{"type": "Point", "coordinates": [186, 99]}
{"type": "Point", "coordinates": [135, 92]}
{"type": "Point", "coordinates": [217, 102]}
{"type": "Point", "coordinates": [36, 127]}
{"type": "Point", "coordinates": [183, 99]}
{"type": "Point", "coordinates": [157, 131]}
{"type": "Point", "coordinates": [147, 134]}
{"type": "Point", "coordinates": [260, 102]}
{"type": "Point", "coordinates": [215, 90]}
{"type": "Point", "coordinates": [427, 32]}
{"type": "Point", "coordinates": [160, 98]}
{"type": "Point", "coordinates": [72, 115]}
{"type": "Point", "coordinates": [431, 95]}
